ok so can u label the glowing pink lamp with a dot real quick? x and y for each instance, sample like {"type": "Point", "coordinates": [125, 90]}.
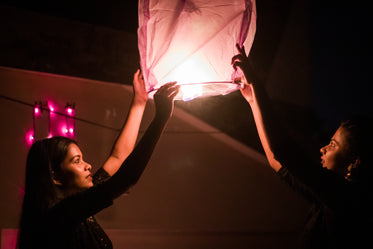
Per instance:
{"type": "Point", "coordinates": [51, 108]}
{"type": "Point", "coordinates": [69, 111]}
{"type": "Point", "coordinates": [30, 138]}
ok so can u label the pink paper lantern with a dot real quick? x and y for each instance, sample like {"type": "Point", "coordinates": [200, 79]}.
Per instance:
{"type": "Point", "coordinates": [192, 42]}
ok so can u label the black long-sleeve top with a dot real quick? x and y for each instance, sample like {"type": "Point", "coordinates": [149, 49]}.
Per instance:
{"type": "Point", "coordinates": [71, 224]}
{"type": "Point", "coordinates": [341, 213]}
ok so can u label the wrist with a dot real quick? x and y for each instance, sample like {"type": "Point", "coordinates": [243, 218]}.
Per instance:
{"type": "Point", "coordinates": [139, 101]}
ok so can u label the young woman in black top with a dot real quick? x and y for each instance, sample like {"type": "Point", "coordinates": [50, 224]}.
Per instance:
{"type": "Point", "coordinates": [340, 191]}
{"type": "Point", "coordinates": [61, 193]}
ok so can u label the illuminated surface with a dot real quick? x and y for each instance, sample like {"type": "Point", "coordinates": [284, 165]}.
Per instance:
{"type": "Point", "coordinates": [193, 42]}
{"type": "Point", "coordinates": [36, 110]}
{"type": "Point", "coordinates": [30, 137]}
{"type": "Point", "coordinates": [69, 110]}
{"type": "Point", "coordinates": [51, 108]}
{"type": "Point", "coordinates": [48, 122]}
{"type": "Point", "coordinates": [191, 91]}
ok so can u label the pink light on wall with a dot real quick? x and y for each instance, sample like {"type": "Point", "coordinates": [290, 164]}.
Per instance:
{"type": "Point", "coordinates": [36, 110]}
{"type": "Point", "coordinates": [48, 122]}
{"type": "Point", "coordinates": [69, 111]}
{"type": "Point", "coordinates": [30, 137]}
{"type": "Point", "coordinates": [69, 108]}
{"type": "Point", "coordinates": [9, 238]}
{"type": "Point", "coordinates": [67, 131]}
{"type": "Point", "coordinates": [70, 119]}
{"type": "Point", "coordinates": [64, 130]}
{"type": "Point", "coordinates": [51, 107]}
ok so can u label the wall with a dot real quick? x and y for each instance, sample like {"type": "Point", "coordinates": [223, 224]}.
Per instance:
{"type": "Point", "coordinates": [45, 43]}
{"type": "Point", "coordinates": [201, 189]}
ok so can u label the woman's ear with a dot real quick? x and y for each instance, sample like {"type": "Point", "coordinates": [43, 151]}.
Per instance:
{"type": "Point", "coordinates": [352, 169]}
{"type": "Point", "coordinates": [55, 179]}
{"type": "Point", "coordinates": [355, 164]}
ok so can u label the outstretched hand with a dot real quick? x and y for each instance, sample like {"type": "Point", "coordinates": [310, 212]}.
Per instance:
{"type": "Point", "coordinates": [164, 100]}
{"type": "Point", "coordinates": [241, 60]}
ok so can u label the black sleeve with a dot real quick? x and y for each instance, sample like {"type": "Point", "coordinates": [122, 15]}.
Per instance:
{"type": "Point", "coordinates": [322, 185]}
{"type": "Point", "coordinates": [310, 178]}
{"type": "Point", "coordinates": [100, 176]}
{"type": "Point", "coordinates": [301, 173]}
{"type": "Point", "coordinates": [84, 204]}
{"type": "Point", "coordinates": [100, 196]}
{"type": "Point", "coordinates": [296, 184]}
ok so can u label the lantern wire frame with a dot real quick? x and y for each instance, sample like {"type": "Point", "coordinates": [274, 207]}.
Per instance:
{"type": "Point", "coordinates": [190, 91]}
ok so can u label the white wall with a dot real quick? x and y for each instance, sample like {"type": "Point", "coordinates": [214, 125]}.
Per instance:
{"type": "Point", "coordinates": [202, 189]}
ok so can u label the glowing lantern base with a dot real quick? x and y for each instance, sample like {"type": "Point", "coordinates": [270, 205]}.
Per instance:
{"type": "Point", "coordinates": [194, 90]}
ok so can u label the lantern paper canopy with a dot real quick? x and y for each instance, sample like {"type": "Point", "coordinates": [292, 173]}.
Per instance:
{"type": "Point", "coordinates": [192, 42]}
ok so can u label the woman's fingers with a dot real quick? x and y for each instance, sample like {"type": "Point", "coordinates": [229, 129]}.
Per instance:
{"type": "Point", "coordinates": [241, 50]}
{"type": "Point", "coordinates": [237, 57]}
{"type": "Point", "coordinates": [174, 92]}
{"type": "Point", "coordinates": [168, 89]}
{"type": "Point", "coordinates": [239, 60]}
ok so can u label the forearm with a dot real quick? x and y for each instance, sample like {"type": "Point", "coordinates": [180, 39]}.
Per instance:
{"type": "Point", "coordinates": [279, 147]}
{"type": "Point", "coordinates": [271, 133]}
{"type": "Point", "coordinates": [133, 167]}
{"type": "Point", "coordinates": [127, 137]}
{"type": "Point", "coordinates": [264, 139]}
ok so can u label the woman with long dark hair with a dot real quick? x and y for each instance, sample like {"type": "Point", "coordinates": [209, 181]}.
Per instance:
{"type": "Point", "coordinates": [62, 194]}
{"type": "Point", "coordinates": [340, 191]}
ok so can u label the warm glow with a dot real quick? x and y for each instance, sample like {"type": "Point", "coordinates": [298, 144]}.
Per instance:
{"type": "Point", "coordinates": [192, 43]}
{"type": "Point", "coordinates": [190, 92]}
{"type": "Point", "coordinates": [191, 71]}
{"type": "Point", "coordinates": [36, 110]}
{"type": "Point", "coordinates": [187, 74]}
{"type": "Point", "coordinates": [64, 130]}
{"type": "Point", "coordinates": [69, 110]}
{"type": "Point", "coordinates": [54, 124]}
{"type": "Point", "coordinates": [30, 138]}
{"type": "Point", "coordinates": [51, 108]}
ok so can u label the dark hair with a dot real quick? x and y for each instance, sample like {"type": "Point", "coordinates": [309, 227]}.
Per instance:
{"type": "Point", "coordinates": [44, 158]}
{"type": "Point", "coordinates": [359, 134]}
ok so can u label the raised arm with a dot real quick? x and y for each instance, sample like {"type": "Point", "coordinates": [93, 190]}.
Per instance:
{"type": "Point", "coordinates": [126, 140]}
{"type": "Point", "coordinates": [132, 168]}
{"type": "Point", "coordinates": [281, 150]}
{"type": "Point", "coordinates": [94, 199]}
{"type": "Point", "coordinates": [255, 94]}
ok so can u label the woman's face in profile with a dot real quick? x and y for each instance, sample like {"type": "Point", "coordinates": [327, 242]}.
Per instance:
{"type": "Point", "coordinates": [334, 155]}
{"type": "Point", "coordinates": [75, 173]}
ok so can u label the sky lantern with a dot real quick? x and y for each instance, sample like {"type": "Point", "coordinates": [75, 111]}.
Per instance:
{"type": "Point", "coordinates": [192, 42]}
